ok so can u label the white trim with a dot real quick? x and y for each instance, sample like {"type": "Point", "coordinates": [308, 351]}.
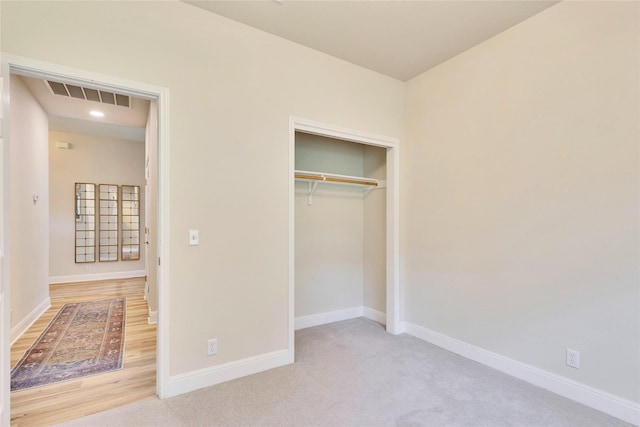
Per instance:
{"type": "Point", "coordinates": [5, 289]}
{"type": "Point", "coordinates": [322, 129]}
{"type": "Point", "coordinates": [24, 324]}
{"type": "Point", "coordinates": [318, 319]}
{"type": "Point", "coordinates": [291, 304]}
{"type": "Point", "coordinates": [35, 68]}
{"type": "Point", "coordinates": [163, 245]}
{"type": "Point", "coordinates": [393, 203]}
{"type": "Point", "coordinates": [393, 241]}
{"type": "Point", "coordinates": [375, 315]}
{"type": "Point", "coordinates": [153, 317]}
{"type": "Point", "coordinates": [615, 406]}
{"type": "Point", "coordinates": [96, 276]}
{"type": "Point", "coordinates": [207, 377]}
{"type": "Point", "coordinates": [29, 66]}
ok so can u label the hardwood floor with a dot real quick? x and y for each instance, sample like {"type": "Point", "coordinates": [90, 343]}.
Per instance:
{"type": "Point", "coordinates": [76, 398]}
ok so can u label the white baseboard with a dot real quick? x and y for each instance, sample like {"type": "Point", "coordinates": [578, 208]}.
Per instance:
{"type": "Point", "coordinates": [195, 380]}
{"type": "Point", "coordinates": [24, 324]}
{"type": "Point", "coordinates": [328, 317]}
{"type": "Point", "coordinates": [96, 276]}
{"type": "Point", "coordinates": [618, 407]}
{"type": "Point", "coordinates": [375, 315]}
{"type": "Point", "coordinates": [338, 316]}
{"type": "Point", "coordinates": [153, 317]}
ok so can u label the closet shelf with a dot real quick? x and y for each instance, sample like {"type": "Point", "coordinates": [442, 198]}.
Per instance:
{"type": "Point", "coordinates": [314, 178]}
{"type": "Point", "coordinates": [337, 179]}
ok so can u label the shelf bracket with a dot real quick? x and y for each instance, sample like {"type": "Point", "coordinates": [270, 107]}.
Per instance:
{"type": "Point", "coordinates": [312, 189]}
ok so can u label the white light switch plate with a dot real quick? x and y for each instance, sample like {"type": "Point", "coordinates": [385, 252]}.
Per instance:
{"type": "Point", "coordinates": [194, 238]}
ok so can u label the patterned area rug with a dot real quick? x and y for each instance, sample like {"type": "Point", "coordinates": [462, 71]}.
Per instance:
{"type": "Point", "coordinates": [83, 339]}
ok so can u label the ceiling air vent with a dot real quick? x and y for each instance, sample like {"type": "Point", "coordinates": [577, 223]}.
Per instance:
{"type": "Point", "coordinates": [89, 94]}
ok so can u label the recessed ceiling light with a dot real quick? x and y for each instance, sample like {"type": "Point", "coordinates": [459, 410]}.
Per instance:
{"type": "Point", "coordinates": [95, 113]}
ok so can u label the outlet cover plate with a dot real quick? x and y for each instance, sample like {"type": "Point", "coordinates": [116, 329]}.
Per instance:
{"type": "Point", "coordinates": [573, 358]}
{"type": "Point", "coordinates": [212, 347]}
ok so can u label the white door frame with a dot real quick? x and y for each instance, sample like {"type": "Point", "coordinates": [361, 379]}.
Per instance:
{"type": "Point", "coordinates": [5, 307]}
{"type": "Point", "coordinates": [40, 69]}
{"type": "Point", "coordinates": [297, 124]}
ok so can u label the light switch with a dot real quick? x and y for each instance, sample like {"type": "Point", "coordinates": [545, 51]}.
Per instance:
{"type": "Point", "coordinates": [194, 238]}
{"type": "Point", "coordinates": [1, 97]}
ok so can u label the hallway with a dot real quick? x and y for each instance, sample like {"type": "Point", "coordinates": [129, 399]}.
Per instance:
{"type": "Point", "coordinates": [76, 398]}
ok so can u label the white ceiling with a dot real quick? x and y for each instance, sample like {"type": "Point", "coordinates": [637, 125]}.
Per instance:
{"type": "Point", "coordinates": [401, 38]}
{"type": "Point", "coordinates": [68, 114]}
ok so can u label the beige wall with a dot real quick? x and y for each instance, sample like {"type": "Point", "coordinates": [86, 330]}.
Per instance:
{"type": "Point", "coordinates": [232, 91]}
{"type": "Point", "coordinates": [519, 174]}
{"type": "Point", "coordinates": [520, 195]}
{"type": "Point", "coordinates": [91, 159]}
{"type": "Point", "coordinates": [28, 244]}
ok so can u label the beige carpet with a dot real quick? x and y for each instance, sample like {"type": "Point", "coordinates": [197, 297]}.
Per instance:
{"type": "Point", "coordinates": [353, 373]}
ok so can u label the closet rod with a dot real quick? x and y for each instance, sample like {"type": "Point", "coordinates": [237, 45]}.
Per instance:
{"type": "Point", "coordinates": [335, 179]}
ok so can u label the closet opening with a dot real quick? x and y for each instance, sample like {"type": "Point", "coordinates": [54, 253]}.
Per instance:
{"type": "Point", "coordinates": [343, 227]}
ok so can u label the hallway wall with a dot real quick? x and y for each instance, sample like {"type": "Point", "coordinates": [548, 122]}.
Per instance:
{"type": "Point", "coordinates": [28, 240]}
{"type": "Point", "coordinates": [90, 159]}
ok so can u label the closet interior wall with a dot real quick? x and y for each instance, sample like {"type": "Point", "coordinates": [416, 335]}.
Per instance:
{"type": "Point", "coordinates": [340, 249]}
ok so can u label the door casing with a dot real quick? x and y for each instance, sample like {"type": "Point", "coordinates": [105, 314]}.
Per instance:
{"type": "Point", "coordinates": [45, 70]}
{"type": "Point", "coordinates": [297, 124]}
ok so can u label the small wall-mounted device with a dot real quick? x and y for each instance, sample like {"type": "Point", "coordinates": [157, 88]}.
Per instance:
{"type": "Point", "coordinates": [194, 237]}
{"type": "Point", "coordinates": [35, 198]}
{"type": "Point", "coordinates": [63, 145]}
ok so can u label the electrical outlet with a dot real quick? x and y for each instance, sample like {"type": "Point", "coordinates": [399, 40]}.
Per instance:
{"type": "Point", "coordinates": [573, 358]}
{"type": "Point", "coordinates": [212, 347]}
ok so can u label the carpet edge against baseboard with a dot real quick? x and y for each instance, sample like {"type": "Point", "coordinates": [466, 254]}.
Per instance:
{"type": "Point", "coordinates": [608, 403]}
{"type": "Point", "coordinates": [194, 380]}
{"type": "Point", "coordinates": [302, 322]}
{"type": "Point", "coordinates": [615, 406]}
{"type": "Point", "coordinates": [201, 378]}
